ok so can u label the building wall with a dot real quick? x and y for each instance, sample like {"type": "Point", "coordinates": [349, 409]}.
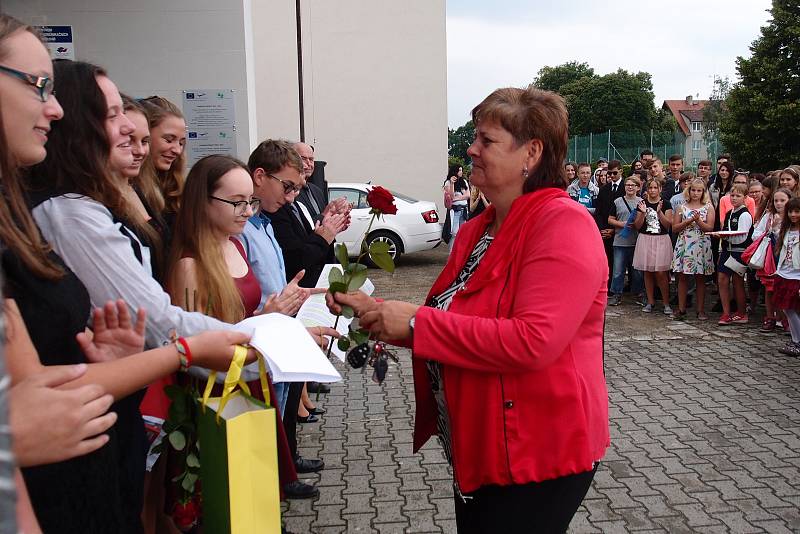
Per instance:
{"type": "Point", "coordinates": [153, 47]}
{"type": "Point", "coordinates": [376, 92]}
{"type": "Point", "coordinates": [375, 73]}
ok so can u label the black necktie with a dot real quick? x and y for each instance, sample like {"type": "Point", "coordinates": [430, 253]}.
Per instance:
{"type": "Point", "coordinates": [613, 188]}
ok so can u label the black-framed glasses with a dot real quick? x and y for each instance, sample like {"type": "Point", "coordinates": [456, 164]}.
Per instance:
{"type": "Point", "coordinates": [42, 84]}
{"type": "Point", "coordinates": [240, 206]}
{"type": "Point", "coordinates": [613, 173]}
{"type": "Point", "coordinates": [288, 187]}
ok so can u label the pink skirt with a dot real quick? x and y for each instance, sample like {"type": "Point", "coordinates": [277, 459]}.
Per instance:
{"type": "Point", "coordinates": [653, 253]}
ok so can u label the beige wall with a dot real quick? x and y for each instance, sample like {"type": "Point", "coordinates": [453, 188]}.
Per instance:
{"type": "Point", "coordinates": [376, 92]}
{"type": "Point", "coordinates": [375, 87]}
{"type": "Point", "coordinates": [375, 72]}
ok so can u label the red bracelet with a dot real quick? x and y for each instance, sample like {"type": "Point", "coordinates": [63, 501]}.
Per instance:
{"type": "Point", "coordinates": [184, 353]}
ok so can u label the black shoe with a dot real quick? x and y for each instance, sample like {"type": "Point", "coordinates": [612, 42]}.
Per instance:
{"type": "Point", "coordinates": [316, 387]}
{"type": "Point", "coordinates": [307, 465]}
{"type": "Point", "coordinates": [310, 418]}
{"type": "Point", "coordinates": [300, 490]}
{"type": "Point", "coordinates": [316, 410]}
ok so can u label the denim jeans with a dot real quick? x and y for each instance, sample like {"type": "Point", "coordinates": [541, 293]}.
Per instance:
{"type": "Point", "coordinates": [282, 392]}
{"type": "Point", "coordinates": [623, 260]}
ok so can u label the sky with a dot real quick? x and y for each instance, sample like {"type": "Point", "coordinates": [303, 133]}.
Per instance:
{"type": "Point", "coordinates": [683, 44]}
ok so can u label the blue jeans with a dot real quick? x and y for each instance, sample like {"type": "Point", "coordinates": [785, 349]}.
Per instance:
{"type": "Point", "coordinates": [282, 392]}
{"type": "Point", "coordinates": [623, 260]}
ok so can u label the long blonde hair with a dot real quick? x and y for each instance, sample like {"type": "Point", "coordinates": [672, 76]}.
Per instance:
{"type": "Point", "coordinates": [166, 196]}
{"type": "Point", "coordinates": [18, 232]}
{"type": "Point", "coordinates": [193, 236]}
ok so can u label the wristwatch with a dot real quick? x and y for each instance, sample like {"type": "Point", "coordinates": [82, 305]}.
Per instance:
{"type": "Point", "coordinates": [411, 325]}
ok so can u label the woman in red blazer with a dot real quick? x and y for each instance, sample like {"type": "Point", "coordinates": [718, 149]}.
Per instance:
{"type": "Point", "coordinates": [518, 395]}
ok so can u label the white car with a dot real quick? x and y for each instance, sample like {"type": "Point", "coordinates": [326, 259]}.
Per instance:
{"type": "Point", "coordinates": [415, 227]}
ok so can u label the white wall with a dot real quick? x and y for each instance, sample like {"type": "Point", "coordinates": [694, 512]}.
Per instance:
{"type": "Point", "coordinates": [376, 91]}
{"type": "Point", "coordinates": [154, 47]}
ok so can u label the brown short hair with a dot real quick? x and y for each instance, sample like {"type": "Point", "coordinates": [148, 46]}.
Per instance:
{"type": "Point", "coordinates": [274, 154]}
{"type": "Point", "coordinates": [675, 157]}
{"type": "Point", "coordinates": [532, 114]}
{"type": "Point", "coordinates": [614, 164]}
{"type": "Point", "coordinates": [739, 188]}
{"type": "Point", "coordinates": [704, 163]}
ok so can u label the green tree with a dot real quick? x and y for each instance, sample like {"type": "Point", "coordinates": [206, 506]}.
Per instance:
{"type": "Point", "coordinates": [759, 125]}
{"type": "Point", "coordinates": [554, 78]}
{"type": "Point", "coordinates": [715, 109]}
{"type": "Point", "coordinates": [458, 140]}
{"type": "Point", "coordinates": [619, 101]}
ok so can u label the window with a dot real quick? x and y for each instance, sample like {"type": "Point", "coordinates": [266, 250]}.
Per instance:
{"type": "Point", "coordinates": [695, 161]}
{"type": "Point", "coordinates": [696, 126]}
{"type": "Point", "coordinates": [697, 144]}
{"type": "Point", "coordinates": [357, 199]}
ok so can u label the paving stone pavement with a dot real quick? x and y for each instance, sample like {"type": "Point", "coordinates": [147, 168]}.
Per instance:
{"type": "Point", "coordinates": [705, 434]}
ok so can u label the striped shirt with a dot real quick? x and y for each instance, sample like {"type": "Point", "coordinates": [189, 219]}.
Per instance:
{"type": "Point", "coordinates": [442, 302]}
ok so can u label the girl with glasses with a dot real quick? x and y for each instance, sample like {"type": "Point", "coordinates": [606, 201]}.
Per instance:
{"type": "Point", "coordinates": [206, 259]}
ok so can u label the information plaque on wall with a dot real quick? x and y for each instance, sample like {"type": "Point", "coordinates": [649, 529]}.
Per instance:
{"type": "Point", "coordinates": [59, 41]}
{"type": "Point", "coordinates": [210, 122]}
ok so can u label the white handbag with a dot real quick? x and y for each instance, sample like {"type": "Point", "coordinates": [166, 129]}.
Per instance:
{"type": "Point", "coordinates": [760, 255]}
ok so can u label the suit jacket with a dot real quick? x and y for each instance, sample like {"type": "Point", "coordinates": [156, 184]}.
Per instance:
{"type": "Point", "coordinates": [302, 247]}
{"type": "Point", "coordinates": [319, 198]}
{"type": "Point", "coordinates": [526, 395]}
{"type": "Point", "coordinates": [605, 203]}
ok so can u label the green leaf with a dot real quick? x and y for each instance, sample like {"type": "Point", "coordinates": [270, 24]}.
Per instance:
{"type": "Point", "coordinates": [357, 280]}
{"type": "Point", "coordinates": [359, 336]}
{"type": "Point", "coordinates": [343, 343]}
{"type": "Point", "coordinates": [347, 312]}
{"type": "Point", "coordinates": [378, 247]}
{"type": "Point", "coordinates": [335, 276]}
{"type": "Point", "coordinates": [178, 440]}
{"type": "Point", "coordinates": [192, 461]}
{"type": "Point", "coordinates": [338, 287]}
{"type": "Point", "coordinates": [341, 255]}
{"type": "Point", "coordinates": [188, 482]}
{"type": "Point", "coordinates": [382, 259]}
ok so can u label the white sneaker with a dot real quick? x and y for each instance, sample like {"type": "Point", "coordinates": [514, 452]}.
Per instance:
{"type": "Point", "coordinates": [667, 310]}
{"type": "Point", "coordinates": [648, 308]}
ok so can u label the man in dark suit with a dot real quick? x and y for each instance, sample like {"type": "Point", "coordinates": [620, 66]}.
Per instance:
{"type": "Point", "coordinates": [672, 186]}
{"type": "Point", "coordinates": [306, 229]}
{"type": "Point", "coordinates": [612, 190]}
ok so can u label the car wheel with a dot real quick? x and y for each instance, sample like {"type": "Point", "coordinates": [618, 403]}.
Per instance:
{"type": "Point", "coordinates": [392, 239]}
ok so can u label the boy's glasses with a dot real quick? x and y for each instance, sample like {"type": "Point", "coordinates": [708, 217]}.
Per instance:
{"type": "Point", "coordinates": [43, 84]}
{"type": "Point", "coordinates": [288, 187]}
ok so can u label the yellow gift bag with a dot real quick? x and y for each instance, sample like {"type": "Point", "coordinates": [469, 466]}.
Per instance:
{"type": "Point", "coordinates": [239, 457]}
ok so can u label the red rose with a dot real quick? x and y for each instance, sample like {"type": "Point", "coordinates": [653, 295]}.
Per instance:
{"type": "Point", "coordinates": [185, 515]}
{"type": "Point", "coordinates": [381, 200]}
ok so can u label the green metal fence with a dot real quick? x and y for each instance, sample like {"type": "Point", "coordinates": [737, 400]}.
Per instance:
{"type": "Point", "coordinates": [625, 146]}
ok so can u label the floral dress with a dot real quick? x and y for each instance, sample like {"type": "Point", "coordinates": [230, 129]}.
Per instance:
{"type": "Point", "coordinates": [693, 248]}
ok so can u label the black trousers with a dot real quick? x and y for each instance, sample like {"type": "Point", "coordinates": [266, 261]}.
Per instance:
{"type": "Point", "coordinates": [539, 507]}
{"type": "Point", "coordinates": [290, 416]}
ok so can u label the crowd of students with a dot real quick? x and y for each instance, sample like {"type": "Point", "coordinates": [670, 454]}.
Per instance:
{"type": "Point", "coordinates": [95, 212]}
{"type": "Point", "coordinates": [693, 228]}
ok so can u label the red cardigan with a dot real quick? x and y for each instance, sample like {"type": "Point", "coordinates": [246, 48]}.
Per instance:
{"type": "Point", "coordinates": [521, 347]}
